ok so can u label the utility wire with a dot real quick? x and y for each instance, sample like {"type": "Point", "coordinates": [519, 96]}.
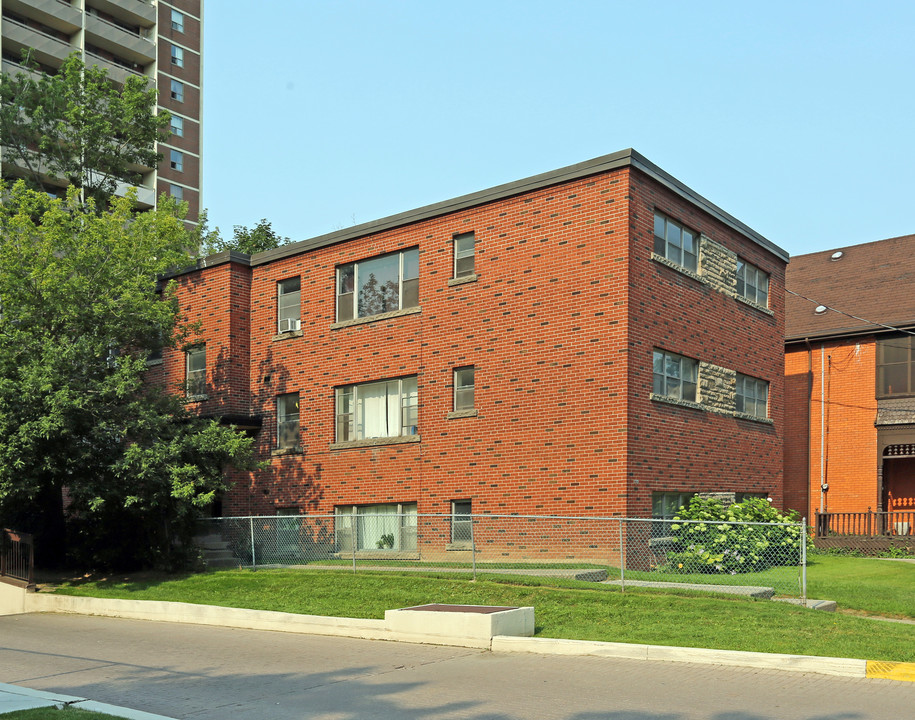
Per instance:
{"type": "Point", "coordinates": [855, 317]}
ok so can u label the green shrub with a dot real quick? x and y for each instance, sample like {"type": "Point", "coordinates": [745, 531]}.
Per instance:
{"type": "Point", "coordinates": [714, 541]}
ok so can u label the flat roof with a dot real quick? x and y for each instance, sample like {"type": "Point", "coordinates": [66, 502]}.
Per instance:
{"type": "Point", "coordinates": [605, 163]}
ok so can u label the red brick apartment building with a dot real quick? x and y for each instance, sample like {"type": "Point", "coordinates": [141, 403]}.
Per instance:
{"type": "Point", "coordinates": [850, 379]}
{"type": "Point", "coordinates": [598, 340]}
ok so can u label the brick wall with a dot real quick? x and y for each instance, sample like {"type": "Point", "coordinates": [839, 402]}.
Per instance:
{"type": "Point", "coordinates": [560, 324]}
{"type": "Point", "coordinates": [674, 448]}
{"type": "Point", "coordinates": [216, 298]}
{"type": "Point", "coordinates": [843, 414]}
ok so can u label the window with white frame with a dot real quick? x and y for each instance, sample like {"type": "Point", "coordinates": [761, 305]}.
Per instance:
{"type": "Point", "coordinates": [177, 21]}
{"type": "Point", "coordinates": [389, 526]}
{"type": "Point", "coordinates": [176, 159]}
{"type": "Point", "coordinates": [176, 125]}
{"type": "Point", "coordinates": [176, 191]}
{"type": "Point", "coordinates": [177, 56]}
{"type": "Point", "coordinates": [752, 396]}
{"type": "Point", "coordinates": [675, 242]}
{"type": "Point", "coordinates": [464, 254]}
{"type": "Point", "coordinates": [463, 388]}
{"type": "Point", "coordinates": [461, 521]}
{"type": "Point", "coordinates": [378, 285]}
{"type": "Point", "coordinates": [177, 91]}
{"type": "Point", "coordinates": [752, 283]}
{"type": "Point", "coordinates": [387, 408]}
{"type": "Point", "coordinates": [288, 305]}
{"type": "Point", "coordinates": [196, 370]}
{"type": "Point", "coordinates": [675, 376]}
{"type": "Point", "coordinates": [287, 421]}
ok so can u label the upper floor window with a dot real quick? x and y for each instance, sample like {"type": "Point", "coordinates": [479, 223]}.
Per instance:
{"type": "Point", "coordinates": [463, 389]}
{"type": "Point", "coordinates": [196, 370]}
{"type": "Point", "coordinates": [895, 366]}
{"type": "Point", "coordinates": [176, 191]}
{"type": "Point", "coordinates": [177, 21]}
{"type": "Point", "coordinates": [177, 91]}
{"type": "Point", "coordinates": [287, 421]}
{"type": "Point", "coordinates": [288, 305]}
{"type": "Point", "coordinates": [752, 283]}
{"type": "Point", "coordinates": [177, 56]}
{"type": "Point", "coordinates": [464, 253]}
{"type": "Point", "coordinates": [387, 408]}
{"type": "Point", "coordinates": [176, 160]}
{"type": "Point", "coordinates": [752, 396]}
{"type": "Point", "coordinates": [675, 242]}
{"type": "Point", "coordinates": [176, 125]}
{"type": "Point", "coordinates": [675, 376]}
{"type": "Point", "coordinates": [378, 285]}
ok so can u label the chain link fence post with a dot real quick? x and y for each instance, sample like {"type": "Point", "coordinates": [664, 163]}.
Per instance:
{"type": "Point", "coordinates": [622, 560]}
{"type": "Point", "coordinates": [352, 539]}
{"type": "Point", "coordinates": [804, 561]}
{"type": "Point", "coordinates": [473, 548]}
{"type": "Point", "coordinates": [251, 530]}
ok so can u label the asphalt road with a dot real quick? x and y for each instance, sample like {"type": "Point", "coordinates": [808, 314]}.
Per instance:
{"type": "Point", "coordinates": [207, 673]}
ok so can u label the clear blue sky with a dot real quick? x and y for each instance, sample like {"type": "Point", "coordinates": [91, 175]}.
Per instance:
{"type": "Point", "coordinates": [796, 117]}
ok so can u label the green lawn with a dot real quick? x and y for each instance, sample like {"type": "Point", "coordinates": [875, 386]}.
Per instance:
{"type": "Point", "coordinates": [881, 587]}
{"type": "Point", "coordinates": [585, 611]}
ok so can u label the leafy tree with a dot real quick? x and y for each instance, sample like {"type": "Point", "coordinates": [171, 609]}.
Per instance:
{"type": "Point", "coordinates": [247, 240]}
{"type": "Point", "coordinates": [78, 126]}
{"type": "Point", "coordinates": [80, 315]}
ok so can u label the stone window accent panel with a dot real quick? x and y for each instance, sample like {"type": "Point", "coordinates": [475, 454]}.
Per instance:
{"type": "Point", "coordinates": [718, 266]}
{"type": "Point", "coordinates": [717, 388]}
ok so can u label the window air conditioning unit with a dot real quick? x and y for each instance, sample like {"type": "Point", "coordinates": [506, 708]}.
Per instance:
{"type": "Point", "coordinates": [290, 324]}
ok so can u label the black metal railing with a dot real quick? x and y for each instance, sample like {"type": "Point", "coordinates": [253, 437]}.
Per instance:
{"type": "Point", "coordinates": [17, 556]}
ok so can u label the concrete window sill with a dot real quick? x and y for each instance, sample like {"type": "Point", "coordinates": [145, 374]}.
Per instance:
{"type": "Point", "coordinates": [376, 318]}
{"type": "Point", "coordinates": [279, 452]}
{"type": "Point", "coordinates": [755, 306]}
{"type": "Point", "coordinates": [463, 280]}
{"type": "Point", "coordinates": [287, 335]}
{"type": "Point", "coordinates": [375, 442]}
{"type": "Point", "coordinates": [461, 414]}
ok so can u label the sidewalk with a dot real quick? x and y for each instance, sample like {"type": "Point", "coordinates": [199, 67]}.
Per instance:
{"type": "Point", "coordinates": [13, 697]}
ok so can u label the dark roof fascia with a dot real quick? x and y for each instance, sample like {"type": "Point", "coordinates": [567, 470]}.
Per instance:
{"type": "Point", "coordinates": [221, 258]}
{"type": "Point", "coordinates": [605, 163]}
{"type": "Point", "coordinates": [671, 183]}
{"type": "Point", "coordinates": [849, 332]}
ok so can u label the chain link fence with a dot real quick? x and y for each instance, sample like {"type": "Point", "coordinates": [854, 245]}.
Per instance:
{"type": "Point", "coordinates": [759, 559]}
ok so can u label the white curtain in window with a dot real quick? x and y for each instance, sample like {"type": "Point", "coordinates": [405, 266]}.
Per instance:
{"type": "Point", "coordinates": [374, 522]}
{"type": "Point", "coordinates": [378, 408]}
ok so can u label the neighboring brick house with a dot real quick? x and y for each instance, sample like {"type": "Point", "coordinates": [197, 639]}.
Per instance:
{"type": "Point", "coordinates": [850, 379]}
{"type": "Point", "coordinates": [598, 340]}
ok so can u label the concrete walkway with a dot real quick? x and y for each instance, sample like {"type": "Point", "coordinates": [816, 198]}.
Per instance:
{"type": "Point", "coordinates": [13, 697]}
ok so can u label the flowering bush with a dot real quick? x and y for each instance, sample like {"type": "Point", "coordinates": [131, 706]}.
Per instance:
{"type": "Point", "coordinates": [713, 539]}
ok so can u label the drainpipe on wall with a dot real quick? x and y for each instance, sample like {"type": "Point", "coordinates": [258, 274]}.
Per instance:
{"type": "Point", "coordinates": [807, 425]}
{"type": "Point", "coordinates": [822, 427]}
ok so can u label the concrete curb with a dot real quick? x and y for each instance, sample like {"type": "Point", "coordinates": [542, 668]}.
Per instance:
{"type": "Point", "coordinates": [454, 636]}
{"type": "Point", "coordinates": [843, 667]}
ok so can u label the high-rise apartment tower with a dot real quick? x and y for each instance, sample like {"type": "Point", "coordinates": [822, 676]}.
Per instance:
{"type": "Point", "coordinates": [158, 39]}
